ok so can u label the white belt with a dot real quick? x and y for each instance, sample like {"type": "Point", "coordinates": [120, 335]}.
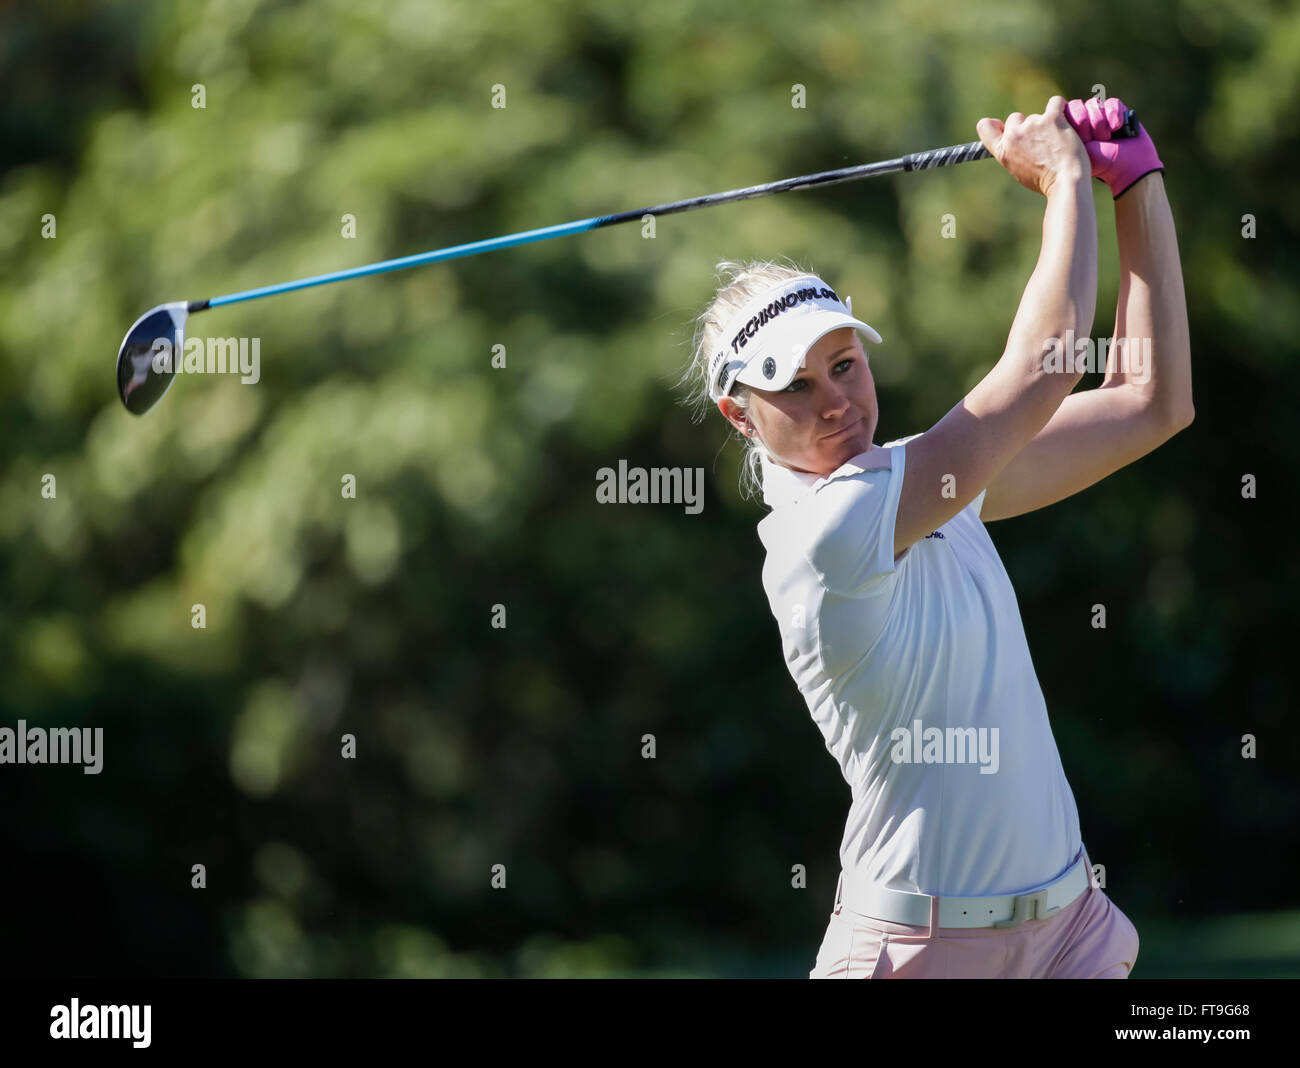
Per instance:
{"type": "Point", "coordinates": [1008, 910]}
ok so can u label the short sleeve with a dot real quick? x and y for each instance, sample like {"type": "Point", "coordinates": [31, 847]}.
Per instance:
{"type": "Point", "coordinates": [852, 548]}
{"type": "Point", "coordinates": [977, 504]}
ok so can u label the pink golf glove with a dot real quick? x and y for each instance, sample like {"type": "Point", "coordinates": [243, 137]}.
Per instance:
{"type": "Point", "coordinates": [1117, 163]}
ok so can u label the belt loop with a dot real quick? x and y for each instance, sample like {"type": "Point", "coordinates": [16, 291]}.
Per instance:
{"type": "Point", "coordinates": [934, 917]}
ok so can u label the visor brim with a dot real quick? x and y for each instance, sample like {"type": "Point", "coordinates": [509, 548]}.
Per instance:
{"type": "Point", "coordinates": [785, 369]}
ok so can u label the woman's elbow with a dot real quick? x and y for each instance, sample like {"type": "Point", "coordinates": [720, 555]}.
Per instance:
{"type": "Point", "coordinates": [1184, 410]}
{"type": "Point", "coordinates": [1174, 410]}
{"type": "Point", "coordinates": [1173, 418]}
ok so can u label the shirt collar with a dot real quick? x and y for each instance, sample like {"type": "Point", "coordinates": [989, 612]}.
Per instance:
{"type": "Point", "coordinates": [783, 486]}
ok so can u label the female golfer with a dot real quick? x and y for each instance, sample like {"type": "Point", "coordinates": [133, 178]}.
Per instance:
{"type": "Point", "coordinates": [962, 855]}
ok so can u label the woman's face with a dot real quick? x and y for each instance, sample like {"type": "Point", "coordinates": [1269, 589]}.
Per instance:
{"type": "Point", "coordinates": [825, 416]}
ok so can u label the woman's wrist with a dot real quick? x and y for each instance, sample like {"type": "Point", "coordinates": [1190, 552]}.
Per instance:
{"type": "Point", "coordinates": [1149, 187]}
{"type": "Point", "coordinates": [1069, 176]}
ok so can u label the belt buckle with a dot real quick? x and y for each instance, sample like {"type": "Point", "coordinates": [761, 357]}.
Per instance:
{"type": "Point", "coordinates": [1027, 907]}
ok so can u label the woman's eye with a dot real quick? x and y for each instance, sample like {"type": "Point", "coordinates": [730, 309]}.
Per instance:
{"type": "Point", "coordinates": [800, 384]}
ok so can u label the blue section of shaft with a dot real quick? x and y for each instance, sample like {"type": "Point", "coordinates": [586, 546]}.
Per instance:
{"type": "Point", "coordinates": [521, 238]}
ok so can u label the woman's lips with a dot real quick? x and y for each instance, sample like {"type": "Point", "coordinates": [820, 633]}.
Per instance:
{"type": "Point", "coordinates": [842, 430]}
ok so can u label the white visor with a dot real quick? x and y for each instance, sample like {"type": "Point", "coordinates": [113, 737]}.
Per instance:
{"type": "Point", "coordinates": [765, 343]}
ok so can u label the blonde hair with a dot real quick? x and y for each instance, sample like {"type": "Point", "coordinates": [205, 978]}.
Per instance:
{"type": "Point", "coordinates": [740, 282]}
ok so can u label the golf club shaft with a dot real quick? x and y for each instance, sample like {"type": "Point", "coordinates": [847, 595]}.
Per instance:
{"type": "Point", "coordinates": [915, 161]}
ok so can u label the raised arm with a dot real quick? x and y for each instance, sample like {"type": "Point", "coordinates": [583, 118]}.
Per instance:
{"type": "Point", "coordinates": [954, 460]}
{"type": "Point", "coordinates": [1146, 396]}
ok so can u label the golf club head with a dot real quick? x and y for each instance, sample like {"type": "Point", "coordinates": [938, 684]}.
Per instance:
{"type": "Point", "coordinates": [156, 339]}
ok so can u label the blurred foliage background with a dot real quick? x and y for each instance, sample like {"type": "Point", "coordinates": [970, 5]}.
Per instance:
{"type": "Point", "coordinates": [481, 746]}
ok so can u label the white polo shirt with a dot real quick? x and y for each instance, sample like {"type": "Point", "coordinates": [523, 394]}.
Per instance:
{"type": "Point", "coordinates": [969, 797]}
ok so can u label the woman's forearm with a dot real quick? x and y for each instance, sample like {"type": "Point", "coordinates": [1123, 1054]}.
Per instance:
{"type": "Point", "coordinates": [1059, 300]}
{"type": "Point", "coordinates": [1061, 294]}
{"type": "Point", "coordinates": [1151, 313]}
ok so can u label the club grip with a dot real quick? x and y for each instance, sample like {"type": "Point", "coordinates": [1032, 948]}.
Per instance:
{"type": "Point", "coordinates": [1129, 127]}
{"type": "Point", "coordinates": [946, 157]}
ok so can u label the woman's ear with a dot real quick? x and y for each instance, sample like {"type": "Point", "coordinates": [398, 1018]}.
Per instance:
{"type": "Point", "coordinates": [735, 415]}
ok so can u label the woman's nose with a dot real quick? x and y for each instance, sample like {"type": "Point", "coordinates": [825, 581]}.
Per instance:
{"type": "Point", "coordinates": [834, 400]}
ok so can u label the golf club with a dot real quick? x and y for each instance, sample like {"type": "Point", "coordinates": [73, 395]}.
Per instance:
{"type": "Point", "coordinates": [141, 383]}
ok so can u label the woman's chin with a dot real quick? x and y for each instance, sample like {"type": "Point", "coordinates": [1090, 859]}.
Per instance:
{"type": "Point", "coordinates": [841, 452]}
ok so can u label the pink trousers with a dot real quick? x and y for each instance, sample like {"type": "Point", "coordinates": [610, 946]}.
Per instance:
{"type": "Point", "coordinates": [1088, 939]}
